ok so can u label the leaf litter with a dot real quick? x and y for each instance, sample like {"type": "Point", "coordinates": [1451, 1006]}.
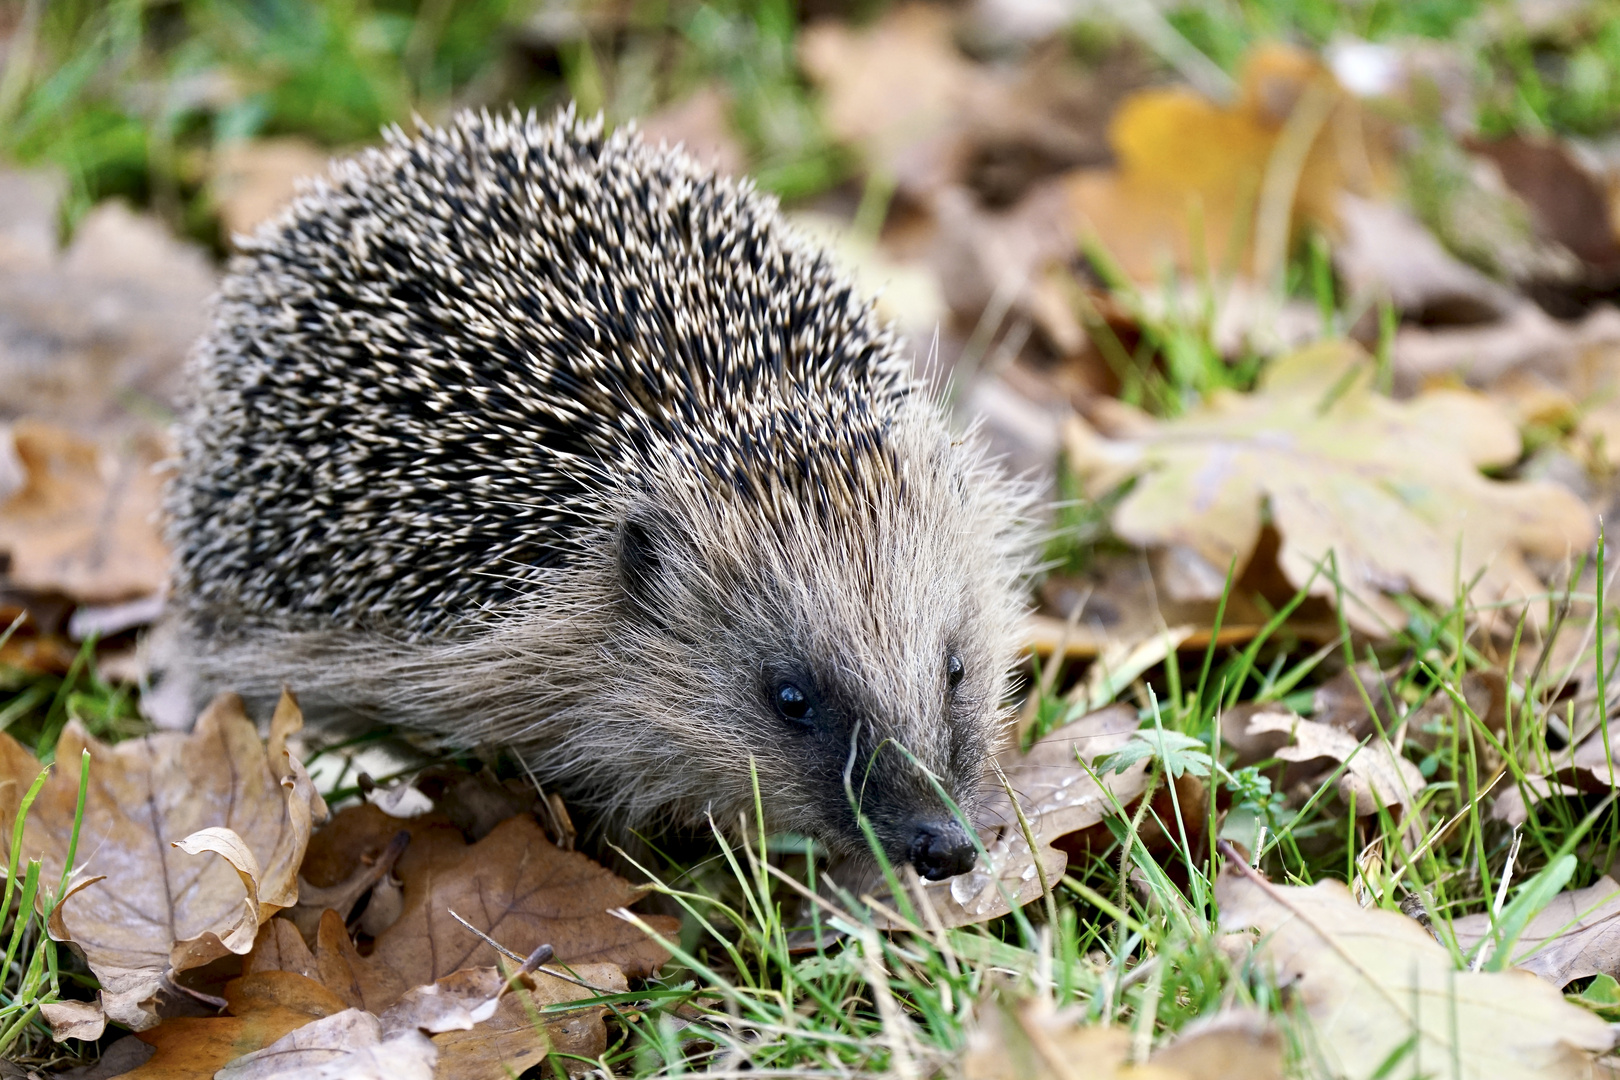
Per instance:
{"type": "Point", "coordinates": [212, 852]}
{"type": "Point", "coordinates": [1392, 490]}
{"type": "Point", "coordinates": [1384, 995]}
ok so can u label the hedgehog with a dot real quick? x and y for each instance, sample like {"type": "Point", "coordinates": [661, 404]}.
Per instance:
{"type": "Point", "coordinates": [521, 433]}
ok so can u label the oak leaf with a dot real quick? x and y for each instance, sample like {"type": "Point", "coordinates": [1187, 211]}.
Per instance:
{"type": "Point", "coordinates": [514, 885]}
{"type": "Point", "coordinates": [478, 1029]}
{"type": "Point", "coordinates": [521, 890]}
{"type": "Point", "coordinates": [1391, 488]}
{"type": "Point", "coordinates": [141, 906]}
{"type": "Point", "coordinates": [1385, 998]}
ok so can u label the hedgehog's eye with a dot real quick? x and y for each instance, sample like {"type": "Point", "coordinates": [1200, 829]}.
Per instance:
{"type": "Point", "coordinates": [793, 704]}
{"type": "Point", "coordinates": [954, 670]}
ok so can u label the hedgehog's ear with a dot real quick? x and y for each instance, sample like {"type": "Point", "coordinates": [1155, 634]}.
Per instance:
{"type": "Point", "coordinates": [649, 554]}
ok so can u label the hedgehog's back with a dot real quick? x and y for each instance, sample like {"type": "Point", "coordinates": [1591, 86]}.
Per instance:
{"type": "Point", "coordinates": [425, 381]}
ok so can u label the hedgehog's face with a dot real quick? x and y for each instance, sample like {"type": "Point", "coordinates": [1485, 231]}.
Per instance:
{"type": "Point", "coordinates": [858, 665]}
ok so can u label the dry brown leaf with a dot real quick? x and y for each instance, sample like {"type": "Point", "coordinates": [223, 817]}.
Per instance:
{"type": "Point", "coordinates": [142, 907]}
{"type": "Point", "coordinates": [1592, 767]}
{"type": "Point", "coordinates": [254, 179]}
{"type": "Point", "coordinates": [1374, 775]}
{"type": "Point", "coordinates": [505, 1037]}
{"type": "Point", "coordinates": [1485, 693]}
{"type": "Point", "coordinates": [1525, 339]}
{"type": "Point", "coordinates": [341, 968]}
{"type": "Point", "coordinates": [85, 333]}
{"type": "Point", "coordinates": [1386, 254]}
{"type": "Point", "coordinates": [521, 890]}
{"type": "Point", "coordinates": [358, 835]}
{"type": "Point", "coordinates": [280, 947]}
{"type": "Point", "coordinates": [508, 1042]}
{"type": "Point", "coordinates": [701, 123]}
{"type": "Point", "coordinates": [1031, 1041]}
{"type": "Point", "coordinates": [1341, 702]}
{"type": "Point", "coordinates": [896, 90]}
{"type": "Point", "coordinates": [263, 1007]}
{"type": "Point", "coordinates": [1190, 188]}
{"type": "Point", "coordinates": [1568, 206]}
{"type": "Point", "coordinates": [1239, 1044]}
{"type": "Point", "coordinates": [1393, 489]}
{"type": "Point", "coordinates": [480, 1035]}
{"type": "Point", "coordinates": [1370, 980]}
{"type": "Point", "coordinates": [74, 1020]}
{"type": "Point", "coordinates": [80, 519]}
{"type": "Point", "coordinates": [349, 1045]}
{"type": "Point", "coordinates": [513, 885]}
{"type": "Point", "coordinates": [1574, 936]}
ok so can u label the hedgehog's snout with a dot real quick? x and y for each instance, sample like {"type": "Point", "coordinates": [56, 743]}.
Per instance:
{"type": "Point", "coordinates": [942, 849]}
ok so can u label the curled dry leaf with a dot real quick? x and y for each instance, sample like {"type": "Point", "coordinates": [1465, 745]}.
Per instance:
{"type": "Point", "coordinates": [142, 907]}
{"type": "Point", "coordinates": [74, 1020]}
{"type": "Point", "coordinates": [1058, 796]}
{"type": "Point", "coordinates": [1574, 936]}
{"type": "Point", "coordinates": [1392, 489]}
{"type": "Point", "coordinates": [1031, 1041]}
{"type": "Point", "coordinates": [1374, 776]}
{"type": "Point", "coordinates": [1591, 767]}
{"type": "Point", "coordinates": [1386, 1000]}
{"type": "Point", "coordinates": [349, 1045]}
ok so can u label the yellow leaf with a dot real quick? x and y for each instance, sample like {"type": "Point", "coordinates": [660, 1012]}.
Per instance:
{"type": "Point", "coordinates": [1199, 185]}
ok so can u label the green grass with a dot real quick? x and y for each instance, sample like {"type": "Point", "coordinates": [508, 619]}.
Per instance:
{"type": "Point", "coordinates": [31, 975]}
{"type": "Point", "coordinates": [1142, 956]}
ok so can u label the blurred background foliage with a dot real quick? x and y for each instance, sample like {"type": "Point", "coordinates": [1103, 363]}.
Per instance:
{"type": "Point", "coordinates": [130, 97]}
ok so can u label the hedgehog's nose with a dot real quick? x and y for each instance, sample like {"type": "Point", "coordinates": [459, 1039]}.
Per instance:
{"type": "Point", "coordinates": [942, 849]}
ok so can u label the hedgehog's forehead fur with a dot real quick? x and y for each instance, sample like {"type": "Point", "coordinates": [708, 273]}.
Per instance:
{"type": "Point", "coordinates": [519, 432]}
